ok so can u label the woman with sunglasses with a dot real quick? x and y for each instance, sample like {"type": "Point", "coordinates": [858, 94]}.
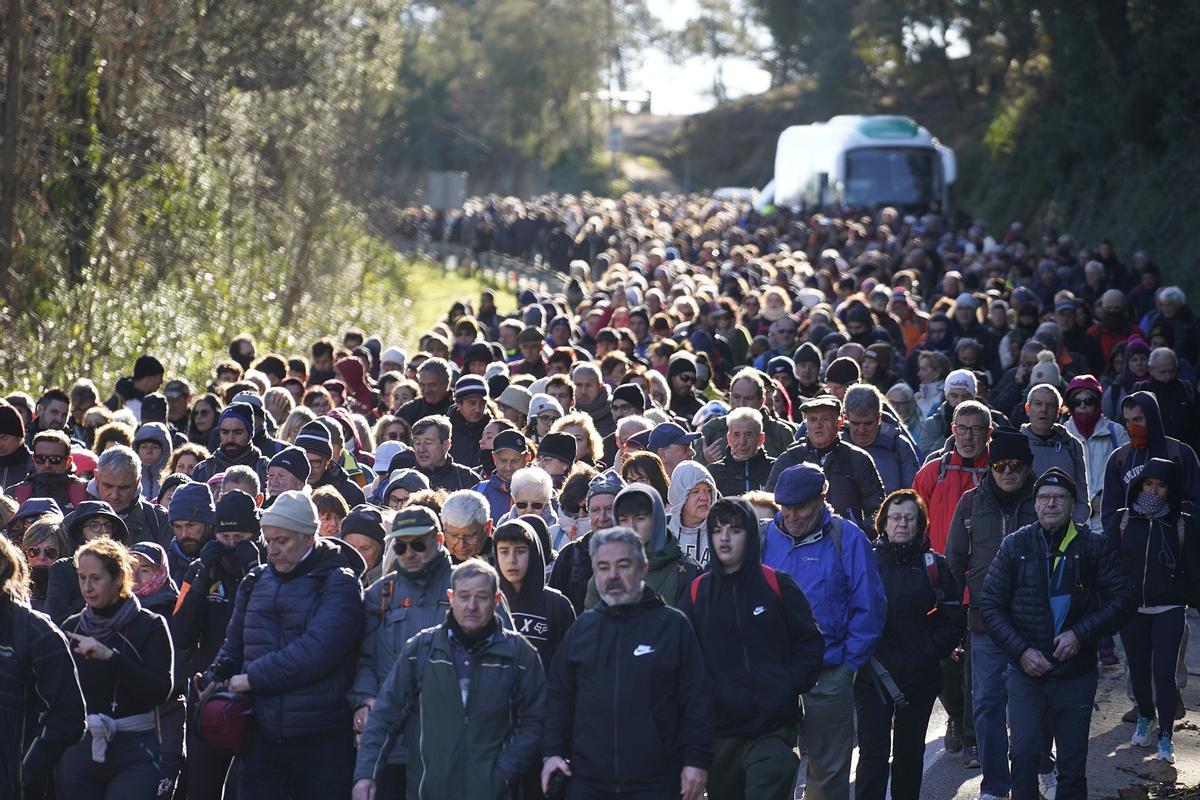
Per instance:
{"type": "Point", "coordinates": [1099, 434]}
{"type": "Point", "coordinates": [44, 542]}
{"type": "Point", "coordinates": [92, 520]}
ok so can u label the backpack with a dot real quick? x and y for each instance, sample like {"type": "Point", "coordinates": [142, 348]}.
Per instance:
{"type": "Point", "coordinates": [768, 575]}
{"type": "Point", "coordinates": [945, 466]}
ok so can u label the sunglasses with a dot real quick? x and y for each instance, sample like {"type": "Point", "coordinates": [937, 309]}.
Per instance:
{"type": "Point", "coordinates": [1083, 402]}
{"type": "Point", "coordinates": [522, 505]}
{"type": "Point", "coordinates": [400, 547]}
{"type": "Point", "coordinates": [1008, 465]}
{"type": "Point", "coordinates": [49, 552]}
{"type": "Point", "coordinates": [38, 458]}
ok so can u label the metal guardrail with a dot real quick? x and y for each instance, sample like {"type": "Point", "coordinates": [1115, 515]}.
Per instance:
{"type": "Point", "coordinates": [497, 269]}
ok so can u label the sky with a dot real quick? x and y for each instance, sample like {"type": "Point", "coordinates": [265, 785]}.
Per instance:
{"type": "Point", "coordinates": [684, 88]}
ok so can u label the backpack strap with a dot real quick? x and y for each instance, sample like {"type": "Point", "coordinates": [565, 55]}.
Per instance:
{"type": "Point", "coordinates": [1124, 523]}
{"type": "Point", "coordinates": [694, 589]}
{"type": "Point", "coordinates": [769, 576]}
{"type": "Point", "coordinates": [1112, 434]}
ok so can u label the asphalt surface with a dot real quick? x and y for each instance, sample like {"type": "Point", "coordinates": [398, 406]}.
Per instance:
{"type": "Point", "coordinates": [1115, 768]}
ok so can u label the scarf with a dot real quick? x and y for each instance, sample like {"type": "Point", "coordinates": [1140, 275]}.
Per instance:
{"type": "Point", "coordinates": [1086, 422]}
{"type": "Point", "coordinates": [1139, 436]}
{"type": "Point", "coordinates": [1151, 505]}
{"type": "Point", "coordinates": [103, 624]}
{"type": "Point", "coordinates": [156, 582]}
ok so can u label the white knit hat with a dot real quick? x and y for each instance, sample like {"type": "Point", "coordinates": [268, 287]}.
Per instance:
{"type": "Point", "coordinates": [960, 379]}
{"type": "Point", "coordinates": [293, 511]}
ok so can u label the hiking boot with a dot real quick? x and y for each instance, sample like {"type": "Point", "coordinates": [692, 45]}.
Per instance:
{"type": "Point", "coordinates": [1166, 750]}
{"type": "Point", "coordinates": [1048, 785]}
{"type": "Point", "coordinates": [1131, 715]}
{"type": "Point", "coordinates": [953, 741]}
{"type": "Point", "coordinates": [1141, 734]}
{"type": "Point", "coordinates": [970, 756]}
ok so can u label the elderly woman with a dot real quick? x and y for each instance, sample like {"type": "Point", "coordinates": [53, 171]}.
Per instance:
{"type": "Point", "coordinates": [532, 491]}
{"type": "Point", "coordinates": [123, 657]}
{"type": "Point", "coordinates": [894, 695]}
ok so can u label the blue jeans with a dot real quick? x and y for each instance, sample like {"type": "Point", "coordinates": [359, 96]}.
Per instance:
{"type": "Point", "coordinates": [988, 665]}
{"type": "Point", "coordinates": [1066, 704]}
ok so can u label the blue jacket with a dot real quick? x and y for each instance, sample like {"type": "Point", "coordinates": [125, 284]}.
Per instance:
{"type": "Point", "coordinates": [296, 635]}
{"type": "Point", "coordinates": [496, 490]}
{"type": "Point", "coordinates": [894, 455]}
{"type": "Point", "coordinates": [842, 585]}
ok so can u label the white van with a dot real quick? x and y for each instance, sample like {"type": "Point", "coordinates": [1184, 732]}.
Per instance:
{"type": "Point", "coordinates": [861, 162]}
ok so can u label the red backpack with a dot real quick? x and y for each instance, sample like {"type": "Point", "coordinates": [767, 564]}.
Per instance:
{"type": "Point", "coordinates": [768, 575]}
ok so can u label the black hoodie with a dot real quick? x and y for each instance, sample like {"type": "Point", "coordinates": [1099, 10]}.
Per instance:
{"type": "Point", "coordinates": [540, 614]}
{"type": "Point", "coordinates": [1127, 461]}
{"type": "Point", "coordinates": [762, 650]}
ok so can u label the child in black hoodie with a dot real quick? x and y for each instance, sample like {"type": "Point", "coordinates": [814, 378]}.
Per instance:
{"type": "Point", "coordinates": [539, 613]}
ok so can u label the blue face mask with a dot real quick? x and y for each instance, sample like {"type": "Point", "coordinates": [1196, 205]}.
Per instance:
{"type": "Point", "coordinates": [1150, 505]}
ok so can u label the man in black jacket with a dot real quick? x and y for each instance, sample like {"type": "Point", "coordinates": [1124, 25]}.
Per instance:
{"type": "Point", "coordinates": [1051, 592]}
{"type": "Point", "coordinates": [572, 569]}
{"type": "Point", "coordinates": [855, 488]}
{"type": "Point", "coordinates": [763, 650]}
{"type": "Point", "coordinates": [746, 465]}
{"type": "Point", "coordinates": [317, 443]}
{"type": "Point", "coordinates": [235, 429]}
{"type": "Point", "coordinates": [41, 704]}
{"type": "Point", "coordinates": [540, 614]}
{"type": "Point", "coordinates": [468, 417]}
{"type": "Point", "coordinates": [431, 437]}
{"type": "Point", "coordinates": [433, 377]}
{"type": "Point", "coordinates": [629, 708]}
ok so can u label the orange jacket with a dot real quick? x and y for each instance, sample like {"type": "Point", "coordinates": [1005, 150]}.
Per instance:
{"type": "Point", "coordinates": [940, 483]}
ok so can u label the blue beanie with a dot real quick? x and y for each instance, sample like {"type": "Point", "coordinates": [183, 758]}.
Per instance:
{"type": "Point", "coordinates": [239, 412]}
{"type": "Point", "coordinates": [799, 484]}
{"type": "Point", "coordinates": [192, 502]}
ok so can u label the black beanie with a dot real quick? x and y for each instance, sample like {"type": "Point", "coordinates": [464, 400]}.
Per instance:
{"type": "Point", "coordinates": [844, 371]}
{"type": "Point", "coordinates": [807, 353]}
{"type": "Point", "coordinates": [630, 393]}
{"type": "Point", "coordinates": [1009, 443]}
{"type": "Point", "coordinates": [314, 438]}
{"type": "Point", "coordinates": [681, 363]}
{"type": "Point", "coordinates": [237, 512]}
{"type": "Point", "coordinates": [11, 421]}
{"type": "Point", "coordinates": [146, 366]}
{"type": "Point", "coordinates": [366, 521]}
{"type": "Point", "coordinates": [558, 445]}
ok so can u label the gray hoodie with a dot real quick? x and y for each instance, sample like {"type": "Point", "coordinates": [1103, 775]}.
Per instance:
{"type": "Point", "coordinates": [150, 479]}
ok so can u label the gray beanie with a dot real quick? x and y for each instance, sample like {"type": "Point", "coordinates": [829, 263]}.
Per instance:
{"type": "Point", "coordinates": [293, 511]}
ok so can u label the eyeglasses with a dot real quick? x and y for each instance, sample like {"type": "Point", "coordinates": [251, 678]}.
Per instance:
{"type": "Point", "coordinates": [396, 502]}
{"type": "Point", "coordinates": [38, 458]}
{"type": "Point", "coordinates": [1008, 465]}
{"type": "Point", "coordinates": [99, 526]}
{"type": "Point", "coordinates": [898, 518]}
{"type": "Point", "coordinates": [971, 430]}
{"type": "Point", "coordinates": [547, 419]}
{"type": "Point", "coordinates": [48, 551]}
{"type": "Point", "coordinates": [522, 505]}
{"type": "Point", "coordinates": [400, 547]}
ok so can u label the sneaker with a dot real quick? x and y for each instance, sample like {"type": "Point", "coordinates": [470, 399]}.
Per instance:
{"type": "Point", "coordinates": [1141, 734]}
{"type": "Point", "coordinates": [993, 797]}
{"type": "Point", "coordinates": [1166, 750]}
{"type": "Point", "coordinates": [953, 741]}
{"type": "Point", "coordinates": [1131, 715]}
{"type": "Point", "coordinates": [1048, 785]}
{"type": "Point", "coordinates": [1108, 656]}
{"type": "Point", "coordinates": [970, 756]}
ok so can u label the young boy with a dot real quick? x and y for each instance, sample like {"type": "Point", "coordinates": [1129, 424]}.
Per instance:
{"type": "Point", "coordinates": [539, 613]}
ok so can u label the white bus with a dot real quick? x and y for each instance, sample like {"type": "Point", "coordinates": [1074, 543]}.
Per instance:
{"type": "Point", "coordinates": [855, 161]}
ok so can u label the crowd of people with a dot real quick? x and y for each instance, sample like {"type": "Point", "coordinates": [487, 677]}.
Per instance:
{"type": "Point", "coordinates": [746, 489]}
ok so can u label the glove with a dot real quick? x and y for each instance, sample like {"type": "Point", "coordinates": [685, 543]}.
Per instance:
{"type": "Point", "coordinates": [247, 553]}
{"type": "Point", "coordinates": [211, 553]}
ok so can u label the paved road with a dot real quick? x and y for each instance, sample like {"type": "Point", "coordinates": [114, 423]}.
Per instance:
{"type": "Point", "coordinates": [1115, 769]}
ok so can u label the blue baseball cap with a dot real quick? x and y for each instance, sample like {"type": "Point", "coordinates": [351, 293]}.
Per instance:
{"type": "Point", "coordinates": [669, 433]}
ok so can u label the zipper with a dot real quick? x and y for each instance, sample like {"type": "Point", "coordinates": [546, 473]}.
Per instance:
{"type": "Point", "coordinates": [616, 701]}
{"type": "Point", "coordinates": [1146, 560]}
{"type": "Point", "coordinates": [738, 619]}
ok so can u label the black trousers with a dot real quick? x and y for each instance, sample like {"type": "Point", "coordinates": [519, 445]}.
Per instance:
{"type": "Point", "coordinates": [884, 732]}
{"type": "Point", "coordinates": [1152, 644]}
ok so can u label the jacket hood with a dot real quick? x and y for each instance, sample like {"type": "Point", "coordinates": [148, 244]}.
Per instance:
{"type": "Point", "coordinates": [1165, 471]}
{"type": "Point", "coordinates": [328, 554]}
{"type": "Point", "coordinates": [535, 574]}
{"type": "Point", "coordinates": [154, 432]}
{"type": "Point", "coordinates": [1148, 403]}
{"type": "Point", "coordinates": [95, 508]}
{"type": "Point", "coordinates": [658, 538]}
{"type": "Point", "coordinates": [752, 557]}
{"type": "Point", "coordinates": [685, 478]}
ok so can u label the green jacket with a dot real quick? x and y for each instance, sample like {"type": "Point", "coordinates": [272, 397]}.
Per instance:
{"type": "Point", "coordinates": [476, 751]}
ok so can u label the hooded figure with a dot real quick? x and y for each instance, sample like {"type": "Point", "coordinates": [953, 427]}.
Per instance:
{"type": "Point", "coordinates": [539, 613]}
{"type": "Point", "coordinates": [359, 394]}
{"type": "Point", "coordinates": [693, 540]}
{"type": "Point", "coordinates": [670, 570]}
{"type": "Point", "coordinates": [1145, 442]}
{"type": "Point", "coordinates": [150, 478]}
{"type": "Point", "coordinates": [761, 645]}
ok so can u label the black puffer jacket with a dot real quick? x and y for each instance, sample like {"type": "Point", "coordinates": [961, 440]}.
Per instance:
{"type": "Point", "coordinates": [762, 650]}
{"type": "Point", "coordinates": [855, 488]}
{"type": "Point", "coordinates": [452, 476]}
{"type": "Point", "coordinates": [465, 437]}
{"type": "Point", "coordinates": [983, 518]}
{"type": "Point", "coordinates": [738, 477]}
{"type": "Point", "coordinates": [924, 624]}
{"type": "Point", "coordinates": [1016, 600]}
{"type": "Point", "coordinates": [572, 572]}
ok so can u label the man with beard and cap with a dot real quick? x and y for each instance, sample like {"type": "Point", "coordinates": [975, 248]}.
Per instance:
{"type": "Point", "coordinates": [593, 397]}
{"type": "Point", "coordinates": [363, 529]}
{"type": "Point", "coordinates": [510, 452]}
{"type": "Point", "coordinates": [614, 737]}
{"type": "Point", "coordinates": [192, 516]}
{"type": "Point", "coordinates": [432, 440]}
{"type": "Point", "coordinates": [539, 613]}
{"type": "Point", "coordinates": [201, 616]}
{"type": "Point", "coordinates": [681, 377]}
{"type": "Point", "coordinates": [692, 493]}
{"type": "Point", "coordinates": [807, 360]}
{"type": "Point", "coordinates": [670, 571]}
{"type": "Point", "coordinates": [315, 440]}
{"type": "Point", "coordinates": [152, 443]}
{"type": "Point", "coordinates": [747, 466]}
{"type": "Point", "coordinates": [264, 424]}
{"type": "Point", "coordinates": [831, 560]}
{"type": "Point", "coordinates": [468, 417]}
{"type": "Point", "coordinates": [433, 378]}
{"type": "Point", "coordinates": [573, 568]}
{"type": "Point", "coordinates": [53, 473]}
{"type": "Point", "coordinates": [671, 443]}
{"type": "Point", "coordinates": [999, 504]}
{"type": "Point", "coordinates": [1147, 440]}
{"type": "Point", "coordinates": [478, 691]}
{"type": "Point", "coordinates": [763, 650]}
{"type": "Point", "coordinates": [287, 471]}
{"type": "Point", "coordinates": [1048, 621]}
{"type": "Point", "coordinates": [855, 489]}
{"type": "Point", "coordinates": [16, 461]}
{"type": "Point", "coordinates": [235, 430]}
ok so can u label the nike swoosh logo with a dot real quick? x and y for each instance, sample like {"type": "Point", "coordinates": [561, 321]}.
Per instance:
{"type": "Point", "coordinates": [642, 649]}
{"type": "Point", "coordinates": [759, 610]}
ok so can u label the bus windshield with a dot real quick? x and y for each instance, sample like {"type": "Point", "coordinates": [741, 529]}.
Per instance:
{"type": "Point", "coordinates": [902, 176]}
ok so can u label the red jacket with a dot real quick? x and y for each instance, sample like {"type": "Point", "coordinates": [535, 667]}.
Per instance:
{"type": "Point", "coordinates": [940, 483]}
